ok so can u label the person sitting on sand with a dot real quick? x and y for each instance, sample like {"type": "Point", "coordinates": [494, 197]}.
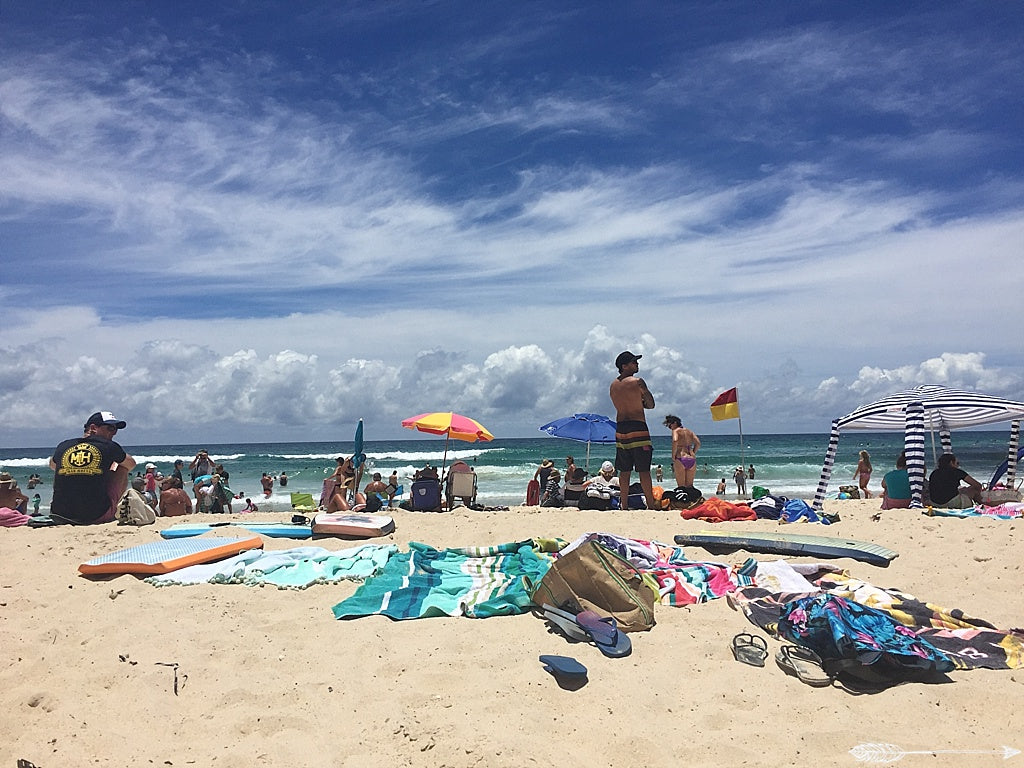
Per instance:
{"type": "Point", "coordinates": [90, 473]}
{"type": "Point", "coordinates": [173, 499]}
{"type": "Point", "coordinates": [896, 485]}
{"type": "Point", "coordinates": [250, 507]}
{"type": "Point", "coordinates": [863, 472]}
{"type": "Point", "coordinates": [575, 485]}
{"type": "Point", "coordinates": [10, 495]}
{"type": "Point", "coordinates": [377, 486]}
{"type": "Point", "coordinates": [338, 501]}
{"type": "Point", "coordinates": [552, 496]}
{"type": "Point", "coordinates": [944, 485]}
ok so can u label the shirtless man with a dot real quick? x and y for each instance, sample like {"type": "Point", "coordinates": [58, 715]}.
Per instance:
{"type": "Point", "coordinates": [173, 500]}
{"type": "Point", "coordinates": [685, 445]}
{"type": "Point", "coordinates": [633, 449]}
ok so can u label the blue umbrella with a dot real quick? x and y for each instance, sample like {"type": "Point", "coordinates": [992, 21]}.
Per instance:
{"type": "Point", "coordinates": [583, 428]}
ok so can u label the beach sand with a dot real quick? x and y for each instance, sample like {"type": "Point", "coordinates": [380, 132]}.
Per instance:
{"type": "Point", "coordinates": [269, 677]}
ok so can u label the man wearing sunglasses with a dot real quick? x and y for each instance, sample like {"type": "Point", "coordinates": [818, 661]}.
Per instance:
{"type": "Point", "coordinates": [90, 473]}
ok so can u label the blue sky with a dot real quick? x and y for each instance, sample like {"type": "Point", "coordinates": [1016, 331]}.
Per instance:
{"type": "Point", "coordinates": [262, 221]}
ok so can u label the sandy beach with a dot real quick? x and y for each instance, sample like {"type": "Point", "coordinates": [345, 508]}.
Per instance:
{"type": "Point", "coordinates": [269, 677]}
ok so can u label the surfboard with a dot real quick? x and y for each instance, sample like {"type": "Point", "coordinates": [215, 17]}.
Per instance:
{"type": "Point", "coordinates": [274, 530]}
{"type": "Point", "coordinates": [725, 542]}
{"type": "Point", "coordinates": [532, 493]}
{"type": "Point", "coordinates": [353, 525]}
{"type": "Point", "coordinates": [167, 556]}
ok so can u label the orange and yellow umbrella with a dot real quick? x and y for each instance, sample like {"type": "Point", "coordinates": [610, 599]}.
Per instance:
{"type": "Point", "coordinates": [451, 425]}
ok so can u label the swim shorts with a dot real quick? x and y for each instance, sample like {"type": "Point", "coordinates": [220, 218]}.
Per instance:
{"type": "Point", "coordinates": [633, 448]}
{"type": "Point", "coordinates": [688, 462]}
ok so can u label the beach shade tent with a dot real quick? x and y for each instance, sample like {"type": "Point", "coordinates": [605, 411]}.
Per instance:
{"type": "Point", "coordinates": [584, 428]}
{"type": "Point", "coordinates": [915, 410]}
{"type": "Point", "coordinates": [451, 425]}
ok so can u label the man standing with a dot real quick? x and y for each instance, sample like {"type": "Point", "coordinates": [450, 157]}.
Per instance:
{"type": "Point", "coordinates": [633, 449]}
{"type": "Point", "coordinates": [90, 473]}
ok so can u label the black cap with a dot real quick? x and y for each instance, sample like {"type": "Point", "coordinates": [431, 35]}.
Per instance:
{"type": "Point", "coordinates": [105, 417]}
{"type": "Point", "coordinates": [625, 358]}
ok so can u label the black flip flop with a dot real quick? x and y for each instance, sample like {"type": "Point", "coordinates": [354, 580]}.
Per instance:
{"type": "Point", "coordinates": [750, 649]}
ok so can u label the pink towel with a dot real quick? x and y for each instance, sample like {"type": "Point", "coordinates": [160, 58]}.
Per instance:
{"type": "Point", "coordinates": [11, 518]}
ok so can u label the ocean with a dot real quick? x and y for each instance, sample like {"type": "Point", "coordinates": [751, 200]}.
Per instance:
{"type": "Point", "coordinates": [787, 465]}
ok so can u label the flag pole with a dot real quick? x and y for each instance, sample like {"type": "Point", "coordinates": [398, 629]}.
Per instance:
{"type": "Point", "coordinates": [739, 421]}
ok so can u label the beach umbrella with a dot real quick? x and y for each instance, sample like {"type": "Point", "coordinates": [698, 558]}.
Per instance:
{"type": "Point", "coordinates": [358, 457]}
{"type": "Point", "coordinates": [583, 428]}
{"type": "Point", "coordinates": [451, 425]}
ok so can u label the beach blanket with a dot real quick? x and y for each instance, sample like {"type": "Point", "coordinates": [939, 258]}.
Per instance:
{"type": "Point", "coordinates": [849, 636]}
{"type": "Point", "coordinates": [715, 510]}
{"type": "Point", "coordinates": [477, 582]}
{"type": "Point", "coordinates": [1008, 511]}
{"type": "Point", "coordinates": [677, 580]}
{"type": "Point", "coordinates": [969, 642]}
{"type": "Point", "coordinates": [12, 518]}
{"type": "Point", "coordinates": [295, 568]}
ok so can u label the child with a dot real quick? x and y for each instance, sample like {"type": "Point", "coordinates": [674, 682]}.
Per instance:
{"type": "Point", "coordinates": [36, 501]}
{"type": "Point", "coordinates": [250, 507]}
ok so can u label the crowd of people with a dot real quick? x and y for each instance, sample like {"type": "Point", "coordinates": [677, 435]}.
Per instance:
{"type": "Point", "coordinates": [92, 473]}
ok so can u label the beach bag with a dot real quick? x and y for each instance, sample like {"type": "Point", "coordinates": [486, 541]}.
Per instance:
{"type": "Point", "coordinates": [132, 509]}
{"type": "Point", "coordinates": [851, 491]}
{"type": "Point", "coordinates": [594, 578]}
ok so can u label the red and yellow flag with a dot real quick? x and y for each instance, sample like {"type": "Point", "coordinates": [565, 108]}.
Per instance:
{"type": "Point", "coordinates": [726, 406]}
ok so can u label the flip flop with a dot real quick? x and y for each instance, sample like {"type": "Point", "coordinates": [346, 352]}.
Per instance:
{"type": "Point", "coordinates": [563, 666]}
{"type": "Point", "coordinates": [604, 631]}
{"type": "Point", "coordinates": [750, 649]}
{"type": "Point", "coordinates": [804, 664]}
{"type": "Point", "coordinates": [566, 623]}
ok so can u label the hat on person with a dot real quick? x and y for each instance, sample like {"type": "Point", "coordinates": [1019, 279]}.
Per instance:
{"type": "Point", "coordinates": [6, 479]}
{"type": "Point", "coordinates": [547, 463]}
{"type": "Point", "coordinates": [151, 466]}
{"type": "Point", "coordinates": [607, 467]}
{"type": "Point", "coordinates": [105, 418]}
{"type": "Point", "coordinates": [625, 358]}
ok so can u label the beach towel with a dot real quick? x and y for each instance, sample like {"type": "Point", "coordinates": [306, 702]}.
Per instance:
{"type": "Point", "coordinates": [715, 510]}
{"type": "Point", "coordinates": [12, 518]}
{"type": "Point", "coordinates": [686, 582]}
{"type": "Point", "coordinates": [296, 568]}
{"type": "Point", "coordinates": [477, 582]}
{"type": "Point", "coordinates": [849, 637]}
{"type": "Point", "coordinates": [968, 642]}
{"type": "Point", "coordinates": [677, 581]}
{"type": "Point", "coordinates": [1009, 511]}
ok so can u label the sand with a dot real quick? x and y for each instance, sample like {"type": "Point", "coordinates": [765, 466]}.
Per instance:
{"type": "Point", "coordinates": [268, 677]}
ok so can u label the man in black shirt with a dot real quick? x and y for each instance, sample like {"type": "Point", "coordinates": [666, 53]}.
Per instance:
{"type": "Point", "coordinates": [90, 473]}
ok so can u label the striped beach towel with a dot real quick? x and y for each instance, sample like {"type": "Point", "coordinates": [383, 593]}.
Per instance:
{"type": "Point", "coordinates": [471, 581]}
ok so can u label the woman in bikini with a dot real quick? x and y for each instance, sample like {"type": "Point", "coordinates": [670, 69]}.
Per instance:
{"type": "Point", "coordinates": [685, 445]}
{"type": "Point", "coordinates": [863, 472]}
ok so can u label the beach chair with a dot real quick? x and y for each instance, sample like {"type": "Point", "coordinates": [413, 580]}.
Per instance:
{"type": "Point", "coordinates": [303, 502]}
{"type": "Point", "coordinates": [425, 495]}
{"type": "Point", "coordinates": [461, 484]}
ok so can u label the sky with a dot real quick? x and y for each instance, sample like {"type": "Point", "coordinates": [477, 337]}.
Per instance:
{"type": "Point", "coordinates": [261, 221]}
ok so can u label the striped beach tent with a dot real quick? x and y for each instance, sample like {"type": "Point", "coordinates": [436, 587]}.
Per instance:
{"type": "Point", "coordinates": [927, 407]}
